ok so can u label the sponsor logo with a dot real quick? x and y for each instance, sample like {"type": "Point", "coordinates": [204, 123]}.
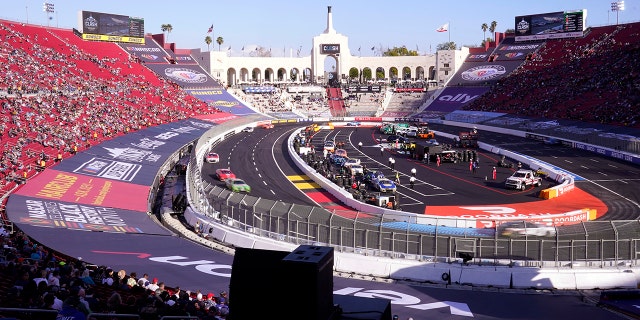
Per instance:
{"type": "Point", "coordinates": [132, 154]}
{"type": "Point", "coordinates": [523, 27]}
{"type": "Point", "coordinates": [519, 47]}
{"type": "Point", "coordinates": [460, 97]}
{"type": "Point", "coordinates": [205, 92]}
{"type": "Point", "coordinates": [149, 56]}
{"type": "Point", "coordinates": [146, 143]}
{"type": "Point", "coordinates": [478, 56]}
{"type": "Point", "coordinates": [90, 24]}
{"type": "Point", "coordinates": [185, 75]}
{"type": "Point", "coordinates": [109, 169]}
{"type": "Point", "coordinates": [143, 49]}
{"type": "Point", "coordinates": [74, 213]}
{"type": "Point", "coordinates": [512, 55]}
{"type": "Point", "coordinates": [201, 125]}
{"type": "Point", "coordinates": [179, 58]}
{"type": "Point", "coordinates": [224, 103]}
{"type": "Point", "coordinates": [483, 73]}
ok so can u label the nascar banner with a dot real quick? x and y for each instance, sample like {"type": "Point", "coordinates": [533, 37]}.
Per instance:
{"type": "Point", "coordinates": [83, 189]}
{"type": "Point", "coordinates": [67, 215]}
{"type": "Point", "coordinates": [149, 52]}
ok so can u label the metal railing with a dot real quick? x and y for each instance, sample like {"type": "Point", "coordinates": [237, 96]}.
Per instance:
{"type": "Point", "coordinates": [587, 244]}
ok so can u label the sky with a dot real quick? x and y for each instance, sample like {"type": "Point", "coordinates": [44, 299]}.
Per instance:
{"type": "Point", "coordinates": [286, 26]}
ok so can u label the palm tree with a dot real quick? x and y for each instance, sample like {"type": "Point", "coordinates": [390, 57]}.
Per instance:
{"type": "Point", "coordinates": [166, 28]}
{"type": "Point", "coordinates": [208, 41]}
{"type": "Point", "coordinates": [484, 28]}
{"type": "Point", "coordinates": [492, 28]}
{"type": "Point", "coordinates": [219, 41]}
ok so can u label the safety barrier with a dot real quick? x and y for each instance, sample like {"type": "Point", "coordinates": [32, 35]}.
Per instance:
{"type": "Point", "coordinates": [364, 247]}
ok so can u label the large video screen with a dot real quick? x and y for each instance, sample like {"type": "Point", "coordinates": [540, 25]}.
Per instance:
{"type": "Point", "coordinates": [110, 27]}
{"type": "Point", "coordinates": [553, 25]}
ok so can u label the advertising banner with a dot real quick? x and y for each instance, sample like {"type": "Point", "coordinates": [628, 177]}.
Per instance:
{"type": "Point", "coordinates": [454, 98]}
{"type": "Point", "coordinates": [57, 185]}
{"type": "Point", "coordinates": [95, 166]}
{"type": "Point", "coordinates": [149, 52]}
{"type": "Point", "coordinates": [222, 100]}
{"type": "Point", "coordinates": [185, 75]}
{"type": "Point", "coordinates": [483, 73]}
{"type": "Point", "coordinates": [67, 215]}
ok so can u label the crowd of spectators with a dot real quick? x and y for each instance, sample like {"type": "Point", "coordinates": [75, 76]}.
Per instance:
{"type": "Point", "coordinates": [57, 98]}
{"type": "Point", "coordinates": [33, 277]}
{"type": "Point", "coordinates": [592, 79]}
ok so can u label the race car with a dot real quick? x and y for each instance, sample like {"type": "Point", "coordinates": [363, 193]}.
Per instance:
{"type": "Point", "coordinates": [355, 169]}
{"type": "Point", "coordinates": [525, 228]}
{"type": "Point", "coordinates": [266, 126]}
{"type": "Point", "coordinates": [351, 162]}
{"type": "Point", "coordinates": [224, 173]}
{"type": "Point", "coordinates": [384, 185]}
{"type": "Point", "coordinates": [330, 146]}
{"type": "Point", "coordinates": [237, 185]}
{"type": "Point", "coordinates": [247, 129]}
{"type": "Point", "coordinates": [212, 157]}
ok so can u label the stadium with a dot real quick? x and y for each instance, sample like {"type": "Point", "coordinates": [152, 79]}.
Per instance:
{"type": "Point", "coordinates": [105, 134]}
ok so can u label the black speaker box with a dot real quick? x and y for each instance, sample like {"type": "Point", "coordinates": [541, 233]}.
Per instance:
{"type": "Point", "coordinates": [286, 285]}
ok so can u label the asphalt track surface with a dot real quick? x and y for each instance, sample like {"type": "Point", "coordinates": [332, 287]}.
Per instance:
{"type": "Point", "coordinates": [262, 160]}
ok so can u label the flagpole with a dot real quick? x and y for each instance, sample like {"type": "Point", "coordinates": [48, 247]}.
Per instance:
{"type": "Point", "coordinates": [449, 30]}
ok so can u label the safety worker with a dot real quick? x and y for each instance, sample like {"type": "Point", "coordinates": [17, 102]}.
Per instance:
{"type": "Point", "coordinates": [494, 173]}
{"type": "Point", "coordinates": [382, 151]}
{"type": "Point", "coordinates": [413, 172]}
{"type": "Point", "coordinates": [397, 177]}
{"type": "Point", "coordinates": [360, 145]}
{"type": "Point", "coordinates": [59, 157]}
{"type": "Point", "coordinates": [412, 181]}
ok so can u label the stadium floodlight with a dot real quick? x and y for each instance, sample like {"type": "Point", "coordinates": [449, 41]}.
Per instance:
{"type": "Point", "coordinates": [617, 6]}
{"type": "Point", "coordinates": [48, 7]}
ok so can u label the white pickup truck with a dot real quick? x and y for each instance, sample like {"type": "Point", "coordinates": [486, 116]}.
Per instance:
{"type": "Point", "coordinates": [521, 179]}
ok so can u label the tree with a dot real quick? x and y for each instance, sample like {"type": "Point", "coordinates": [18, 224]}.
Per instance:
{"type": "Point", "coordinates": [354, 73]}
{"type": "Point", "coordinates": [366, 73]}
{"type": "Point", "coordinates": [399, 51]}
{"type": "Point", "coordinates": [484, 28]}
{"type": "Point", "coordinates": [492, 28]}
{"type": "Point", "coordinates": [208, 41]}
{"type": "Point", "coordinates": [166, 28]}
{"type": "Point", "coordinates": [446, 46]}
{"type": "Point", "coordinates": [219, 41]}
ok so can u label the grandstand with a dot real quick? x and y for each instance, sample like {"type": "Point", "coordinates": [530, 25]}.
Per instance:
{"type": "Point", "coordinates": [591, 79]}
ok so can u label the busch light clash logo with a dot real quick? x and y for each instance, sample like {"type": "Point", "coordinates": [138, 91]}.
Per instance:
{"type": "Point", "coordinates": [483, 73]}
{"type": "Point", "coordinates": [523, 27]}
{"type": "Point", "coordinates": [90, 24]}
{"type": "Point", "coordinates": [185, 75]}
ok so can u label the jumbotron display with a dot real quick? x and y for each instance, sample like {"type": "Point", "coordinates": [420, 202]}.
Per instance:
{"type": "Point", "coordinates": [110, 27]}
{"type": "Point", "coordinates": [553, 25]}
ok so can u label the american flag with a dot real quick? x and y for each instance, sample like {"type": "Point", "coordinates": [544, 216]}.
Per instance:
{"type": "Point", "coordinates": [443, 28]}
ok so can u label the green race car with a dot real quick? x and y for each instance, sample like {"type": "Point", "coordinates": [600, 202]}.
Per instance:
{"type": "Point", "coordinates": [237, 185]}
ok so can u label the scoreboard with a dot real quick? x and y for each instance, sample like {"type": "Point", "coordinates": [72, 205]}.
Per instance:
{"type": "Point", "coordinates": [553, 25]}
{"type": "Point", "coordinates": [110, 27]}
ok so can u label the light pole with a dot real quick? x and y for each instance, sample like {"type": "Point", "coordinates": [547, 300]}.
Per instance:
{"type": "Point", "coordinates": [617, 6]}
